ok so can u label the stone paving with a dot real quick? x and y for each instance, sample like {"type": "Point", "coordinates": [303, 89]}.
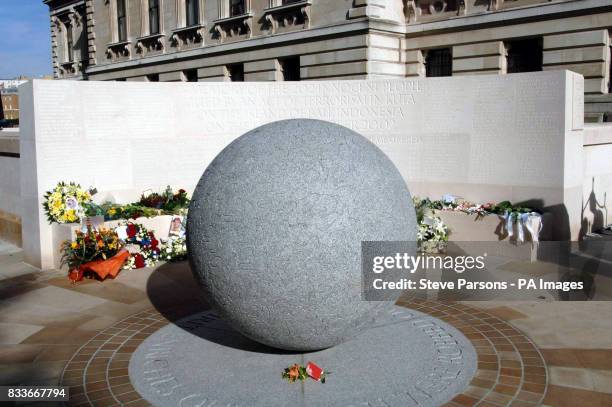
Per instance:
{"type": "Point", "coordinates": [51, 332]}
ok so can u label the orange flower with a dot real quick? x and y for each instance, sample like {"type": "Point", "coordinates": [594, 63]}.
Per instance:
{"type": "Point", "coordinates": [100, 244]}
{"type": "Point", "coordinates": [294, 372]}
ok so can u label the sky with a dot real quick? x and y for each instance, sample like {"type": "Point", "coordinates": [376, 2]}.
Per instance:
{"type": "Point", "coordinates": [25, 39]}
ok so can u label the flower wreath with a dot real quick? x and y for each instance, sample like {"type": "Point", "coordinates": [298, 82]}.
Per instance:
{"type": "Point", "coordinates": [142, 244]}
{"type": "Point", "coordinates": [66, 203]}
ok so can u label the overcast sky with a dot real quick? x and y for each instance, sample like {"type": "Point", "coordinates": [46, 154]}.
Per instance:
{"type": "Point", "coordinates": [25, 40]}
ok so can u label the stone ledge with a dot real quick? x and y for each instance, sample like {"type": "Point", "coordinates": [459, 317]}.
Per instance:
{"type": "Point", "coordinates": [9, 144]}
{"type": "Point", "coordinates": [600, 133]}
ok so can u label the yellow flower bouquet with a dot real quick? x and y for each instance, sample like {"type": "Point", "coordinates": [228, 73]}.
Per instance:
{"type": "Point", "coordinates": [66, 203]}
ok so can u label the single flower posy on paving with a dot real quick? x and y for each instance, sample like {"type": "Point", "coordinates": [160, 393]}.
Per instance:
{"type": "Point", "coordinates": [297, 372]}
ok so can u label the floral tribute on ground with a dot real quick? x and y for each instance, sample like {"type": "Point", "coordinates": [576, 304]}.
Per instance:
{"type": "Point", "coordinates": [69, 203]}
{"type": "Point", "coordinates": [102, 253]}
{"type": "Point", "coordinates": [432, 229]}
{"type": "Point", "coordinates": [174, 249]}
{"type": "Point", "coordinates": [94, 252]}
{"type": "Point", "coordinates": [98, 252]}
{"type": "Point", "coordinates": [142, 244]}
{"type": "Point", "coordinates": [300, 373]}
{"type": "Point", "coordinates": [432, 233]}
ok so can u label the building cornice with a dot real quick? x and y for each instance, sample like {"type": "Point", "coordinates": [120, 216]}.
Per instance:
{"type": "Point", "coordinates": [61, 3]}
{"type": "Point", "coordinates": [534, 12]}
{"type": "Point", "coordinates": [59, 7]}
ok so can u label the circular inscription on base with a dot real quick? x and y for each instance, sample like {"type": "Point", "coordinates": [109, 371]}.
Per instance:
{"type": "Point", "coordinates": [406, 359]}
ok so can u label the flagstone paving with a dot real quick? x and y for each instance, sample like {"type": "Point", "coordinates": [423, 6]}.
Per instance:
{"type": "Point", "coordinates": [82, 336]}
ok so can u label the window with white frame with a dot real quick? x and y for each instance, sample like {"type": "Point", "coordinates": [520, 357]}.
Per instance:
{"type": "Point", "coordinates": [233, 8]}
{"type": "Point", "coordinates": [68, 37]}
{"type": "Point", "coordinates": [278, 3]}
{"type": "Point", "coordinates": [189, 13]}
{"type": "Point", "coordinates": [151, 21]}
{"type": "Point", "coordinates": [119, 29]}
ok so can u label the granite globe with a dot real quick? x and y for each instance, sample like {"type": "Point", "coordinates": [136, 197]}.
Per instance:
{"type": "Point", "coordinates": [275, 228]}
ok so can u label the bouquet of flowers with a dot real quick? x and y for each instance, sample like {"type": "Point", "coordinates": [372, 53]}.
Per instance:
{"type": "Point", "coordinates": [168, 201]}
{"type": "Point", "coordinates": [66, 203]}
{"type": "Point", "coordinates": [89, 246]}
{"type": "Point", "coordinates": [432, 229]}
{"type": "Point", "coordinates": [480, 210]}
{"type": "Point", "coordinates": [297, 372]}
{"type": "Point", "coordinates": [432, 233]}
{"type": "Point", "coordinates": [112, 211]}
{"type": "Point", "coordinates": [174, 249]}
{"type": "Point", "coordinates": [142, 245]}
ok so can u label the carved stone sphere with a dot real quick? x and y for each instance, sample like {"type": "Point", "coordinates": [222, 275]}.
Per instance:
{"type": "Point", "coordinates": [275, 228]}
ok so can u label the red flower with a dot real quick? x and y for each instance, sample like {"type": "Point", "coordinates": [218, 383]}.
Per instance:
{"type": "Point", "coordinates": [131, 230]}
{"type": "Point", "coordinates": [139, 261]}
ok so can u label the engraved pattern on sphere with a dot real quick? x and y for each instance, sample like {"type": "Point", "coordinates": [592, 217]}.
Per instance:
{"type": "Point", "coordinates": [275, 230]}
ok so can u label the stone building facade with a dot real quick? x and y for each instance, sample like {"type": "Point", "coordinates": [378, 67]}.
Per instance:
{"type": "Point", "coordinates": [272, 40]}
{"type": "Point", "coordinates": [10, 104]}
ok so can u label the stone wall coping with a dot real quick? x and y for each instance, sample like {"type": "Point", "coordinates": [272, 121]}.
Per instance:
{"type": "Point", "coordinates": [597, 133]}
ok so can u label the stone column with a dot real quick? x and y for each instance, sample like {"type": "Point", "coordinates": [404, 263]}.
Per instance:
{"type": "Point", "coordinates": [415, 63]}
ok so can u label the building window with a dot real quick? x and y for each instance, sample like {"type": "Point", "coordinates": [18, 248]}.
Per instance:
{"type": "Point", "coordinates": [290, 68]}
{"type": "Point", "coordinates": [154, 17]}
{"type": "Point", "coordinates": [192, 12]}
{"type": "Point", "coordinates": [236, 72]}
{"type": "Point", "coordinates": [153, 77]}
{"type": "Point", "coordinates": [524, 55]}
{"type": "Point", "coordinates": [121, 21]}
{"type": "Point", "coordinates": [190, 75]}
{"type": "Point", "coordinates": [285, 2]}
{"type": "Point", "coordinates": [237, 7]}
{"type": "Point", "coordinates": [439, 62]}
{"type": "Point", "coordinates": [69, 43]}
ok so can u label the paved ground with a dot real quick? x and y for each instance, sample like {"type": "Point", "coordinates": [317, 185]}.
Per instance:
{"type": "Point", "coordinates": [45, 323]}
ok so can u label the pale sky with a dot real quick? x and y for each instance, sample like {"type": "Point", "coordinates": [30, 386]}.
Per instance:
{"type": "Point", "coordinates": [25, 40]}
